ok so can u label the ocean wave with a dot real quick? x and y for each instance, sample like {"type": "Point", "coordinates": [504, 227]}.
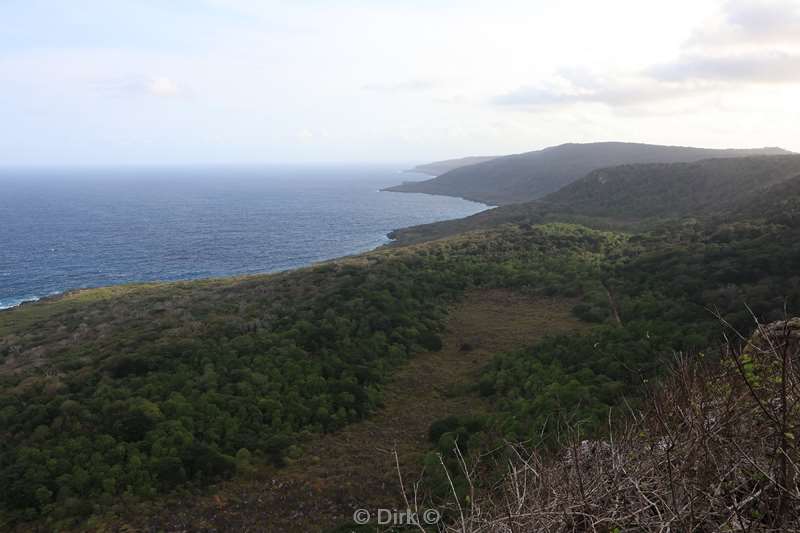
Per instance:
{"type": "Point", "coordinates": [9, 303]}
{"type": "Point", "coordinates": [14, 302]}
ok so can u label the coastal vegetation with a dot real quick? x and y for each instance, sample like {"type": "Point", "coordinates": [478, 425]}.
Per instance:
{"type": "Point", "coordinates": [190, 382]}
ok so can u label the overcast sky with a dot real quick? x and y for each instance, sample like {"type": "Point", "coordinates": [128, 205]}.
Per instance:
{"type": "Point", "coordinates": [248, 81]}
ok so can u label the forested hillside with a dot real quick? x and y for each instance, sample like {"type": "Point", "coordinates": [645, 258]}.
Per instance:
{"type": "Point", "coordinates": [631, 197]}
{"type": "Point", "coordinates": [673, 190]}
{"type": "Point", "coordinates": [138, 394]}
{"type": "Point", "coordinates": [524, 177]}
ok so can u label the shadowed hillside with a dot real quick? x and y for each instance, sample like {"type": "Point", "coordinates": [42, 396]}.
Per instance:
{"type": "Point", "coordinates": [635, 195]}
{"type": "Point", "coordinates": [672, 190]}
{"type": "Point", "coordinates": [524, 177]}
{"type": "Point", "coordinates": [779, 204]}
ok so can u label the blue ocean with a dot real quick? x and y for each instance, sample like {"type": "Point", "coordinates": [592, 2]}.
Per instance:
{"type": "Point", "coordinates": [63, 229]}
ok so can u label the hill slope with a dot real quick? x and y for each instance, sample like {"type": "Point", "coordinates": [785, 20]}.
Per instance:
{"type": "Point", "coordinates": [678, 189]}
{"type": "Point", "coordinates": [779, 204]}
{"type": "Point", "coordinates": [747, 187]}
{"type": "Point", "coordinates": [437, 168]}
{"type": "Point", "coordinates": [529, 176]}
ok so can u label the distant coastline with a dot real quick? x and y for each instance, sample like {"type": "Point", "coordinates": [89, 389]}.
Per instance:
{"type": "Point", "coordinates": [261, 228]}
{"type": "Point", "coordinates": [437, 168]}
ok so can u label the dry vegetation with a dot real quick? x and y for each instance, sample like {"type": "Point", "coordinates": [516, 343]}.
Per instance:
{"type": "Point", "coordinates": [713, 450]}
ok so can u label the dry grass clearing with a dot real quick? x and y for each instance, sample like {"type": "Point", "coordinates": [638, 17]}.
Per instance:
{"type": "Point", "coordinates": [355, 467]}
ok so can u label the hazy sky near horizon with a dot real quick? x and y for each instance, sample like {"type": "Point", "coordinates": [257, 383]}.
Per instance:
{"type": "Point", "coordinates": [249, 81]}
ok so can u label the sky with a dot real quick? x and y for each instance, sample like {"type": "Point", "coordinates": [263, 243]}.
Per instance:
{"type": "Point", "coordinates": [98, 82]}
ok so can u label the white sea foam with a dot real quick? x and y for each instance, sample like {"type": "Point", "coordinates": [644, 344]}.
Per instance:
{"type": "Point", "coordinates": [14, 302]}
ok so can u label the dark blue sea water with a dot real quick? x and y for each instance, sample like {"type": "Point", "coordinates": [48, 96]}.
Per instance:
{"type": "Point", "coordinates": [68, 229]}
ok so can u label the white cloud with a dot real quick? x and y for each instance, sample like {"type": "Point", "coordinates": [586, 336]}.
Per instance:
{"type": "Point", "coordinates": [401, 87]}
{"type": "Point", "coordinates": [748, 23]}
{"type": "Point", "coordinates": [614, 94]}
{"type": "Point", "coordinates": [747, 42]}
{"type": "Point", "coordinates": [622, 89]}
{"type": "Point", "coordinates": [141, 86]}
{"type": "Point", "coordinates": [753, 67]}
{"type": "Point", "coordinates": [162, 86]}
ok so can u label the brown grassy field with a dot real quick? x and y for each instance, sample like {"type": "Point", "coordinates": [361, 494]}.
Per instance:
{"type": "Point", "coordinates": [356, 467]}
